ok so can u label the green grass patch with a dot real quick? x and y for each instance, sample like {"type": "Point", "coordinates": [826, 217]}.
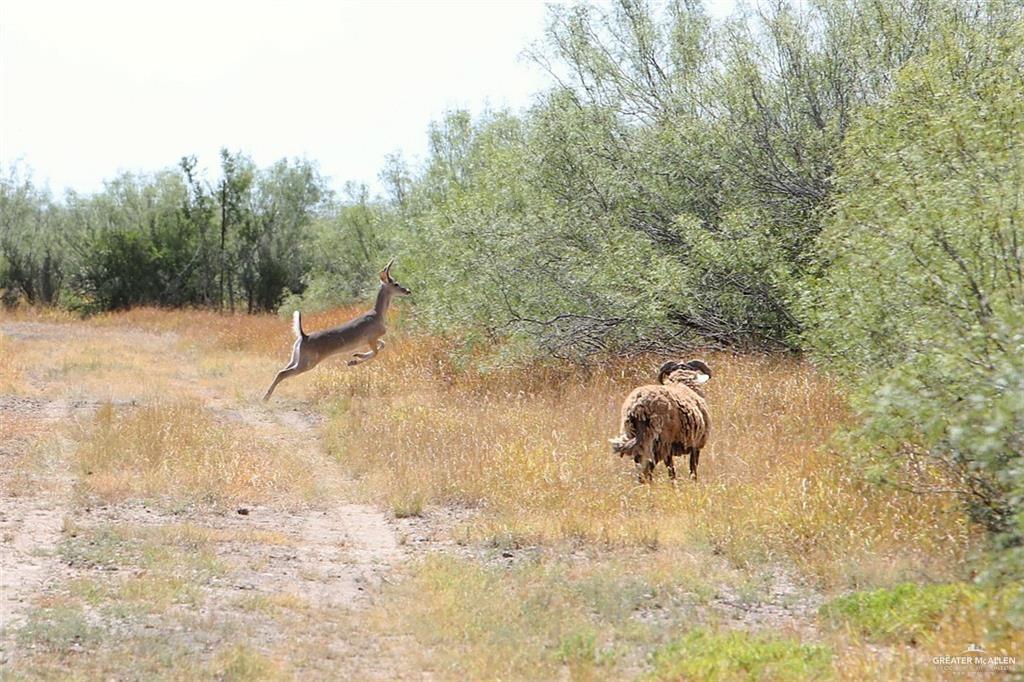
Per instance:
{"type": "Point", "coordinates": [706, 655]}
{"type": "Point", "coordinates": [273, 604]}
{"type": "Point", "coordinates": [126, 546]}
{"type": "Point", "coordinates": [58, 630]}
{"type": "Point", "coordinates": [146, 593]}
{"type": "Point", "coordinates": [904, 612]}
{"type": "Point", "coordinates": [598, 617]}
{"type": "Point", "coordinates": [241, 663]}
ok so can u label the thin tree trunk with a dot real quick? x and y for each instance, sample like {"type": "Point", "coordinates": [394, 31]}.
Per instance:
{"type": "Point", "coordinates": [223, 234]}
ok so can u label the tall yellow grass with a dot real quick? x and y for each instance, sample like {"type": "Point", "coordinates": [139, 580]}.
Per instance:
{"type": "Point", "coordinates": [11, 380]}
{"type": "Point", "coordinates": [421, 425]}
{"type": "Point", "coordinates": [525, 446]}
{"type": "Point", "coordinates": [177, 451]}
{"type": "Point", "coordinates": [529, 447]}
{"type": "Point", "coordinates": [266, 335]}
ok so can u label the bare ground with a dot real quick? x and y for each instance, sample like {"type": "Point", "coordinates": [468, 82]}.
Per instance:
{"type": "Point", "coordinates": [326, 557]}
{"type": "Point", "coordinates": [30, 519]}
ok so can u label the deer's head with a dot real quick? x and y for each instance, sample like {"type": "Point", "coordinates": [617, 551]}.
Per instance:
{"type": "Point", "coordinates": [388, 282]}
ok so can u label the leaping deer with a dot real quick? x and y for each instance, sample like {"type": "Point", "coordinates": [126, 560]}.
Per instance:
{"type": "Point", "coordinates": [364, 330]}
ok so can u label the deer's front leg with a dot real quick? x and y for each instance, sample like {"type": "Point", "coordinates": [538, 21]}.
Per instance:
{"type": "Point", "coordinates": [363, 357]}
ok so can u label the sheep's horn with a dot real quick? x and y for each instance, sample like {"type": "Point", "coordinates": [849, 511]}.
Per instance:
{"type": "Point", "coordinates": [667, 369]}
{"type": "Point", "coordinates": [700, 366]}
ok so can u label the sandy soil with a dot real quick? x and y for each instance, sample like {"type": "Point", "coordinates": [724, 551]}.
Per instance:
{"type": "Point", "coordinates": [30, 518]}
{"type": "Point", "coordinates": [334, 555]}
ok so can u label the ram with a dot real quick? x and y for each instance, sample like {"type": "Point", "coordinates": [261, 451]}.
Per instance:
{"type": "Point", "coordinates": [665, 420]}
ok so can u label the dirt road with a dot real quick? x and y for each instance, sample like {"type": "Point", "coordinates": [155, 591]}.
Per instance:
{"type": "Point", "coordinates": [275, 564]}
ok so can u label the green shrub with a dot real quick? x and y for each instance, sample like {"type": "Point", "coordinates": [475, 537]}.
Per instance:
{"type": "Point", "coordinates": [901, 613]}
{"type": "Point", "coordinates": [706, 655]}
{"type": "Point", "coordinates": [922, 300]}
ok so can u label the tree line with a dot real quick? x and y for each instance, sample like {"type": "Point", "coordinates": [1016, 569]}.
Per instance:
{"type": "Point", "coordinates": [838, 177]}
{"type": "Point", "coordinates": [166, 239]}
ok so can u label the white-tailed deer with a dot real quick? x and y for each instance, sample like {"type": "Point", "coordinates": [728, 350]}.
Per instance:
{"type": "Point", "coordinates": [361, 331]}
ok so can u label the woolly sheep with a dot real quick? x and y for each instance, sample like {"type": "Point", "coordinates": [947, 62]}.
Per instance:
{"type": "Point", "coordinates": [661, 421]}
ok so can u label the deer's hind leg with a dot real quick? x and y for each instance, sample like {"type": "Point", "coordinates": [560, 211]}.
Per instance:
{"type": "Point", "coordinates": [297, 365]}
{"type": "Point", "coordinates": [374, 346]}
{"type": "Point", "coordinates": [282, 375]}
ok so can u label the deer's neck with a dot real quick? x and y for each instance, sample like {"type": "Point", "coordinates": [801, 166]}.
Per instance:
{"type": "Point", "coordinates": [383, 301]}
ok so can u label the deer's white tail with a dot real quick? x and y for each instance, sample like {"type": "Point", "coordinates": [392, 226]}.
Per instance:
{"type": "Point", "coordinates": [297, 325]}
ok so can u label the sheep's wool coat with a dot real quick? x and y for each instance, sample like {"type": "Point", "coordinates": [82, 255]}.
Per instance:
{"type": "Point", "coordinates": [670, 414]}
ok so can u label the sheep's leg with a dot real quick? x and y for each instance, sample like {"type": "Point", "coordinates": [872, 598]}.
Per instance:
{"type": "Point", "coordinates": [694, 460]}
{"type": "Point", "coordinates": [676, 450]}
{"type": "Point", "coordinates": [645, 470]}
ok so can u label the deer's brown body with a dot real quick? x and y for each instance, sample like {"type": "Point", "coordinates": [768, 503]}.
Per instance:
{"type": "Point", "coordinates": [364, 331]}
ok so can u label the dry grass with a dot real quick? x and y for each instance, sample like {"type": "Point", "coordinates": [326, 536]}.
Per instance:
{"type": "Point", "coordinates": [533, 454]}
{"type": "Point", "coordinates": [27, 313]}
{"type": "Point", "coordinates": [11, 379]}
{"type": "Point", "coordinates": [266, 335]}
{"type": "Point", "coordinates": [179, 451]}
{"type": "Point", "coordinates": [231, 354]}
{"type": "Point", "coordinates": [423, 426]}
{"type": "Point", "coordinates": [615, 576]}
{"type": "Point", "coordinates": [192, 535]}
{"type": "Point", "coordinates": [140, 607]}
{"type": "Point", "coordinates": [75, 362]}
{"type": "Point", "coordinates": [274, 602]}
{"type": "Point", "coordinates": [589, 614]}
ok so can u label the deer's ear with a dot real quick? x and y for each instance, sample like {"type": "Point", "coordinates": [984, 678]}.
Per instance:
{"type": "Point", "coordinates": [385, 274]}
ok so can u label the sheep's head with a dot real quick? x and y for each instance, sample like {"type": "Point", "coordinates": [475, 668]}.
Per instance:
{"type": "Point", "coordinates": [694, 372]}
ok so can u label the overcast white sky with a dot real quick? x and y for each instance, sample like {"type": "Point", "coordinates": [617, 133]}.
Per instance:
{"type": "Point", "coordinates": [91, 88]}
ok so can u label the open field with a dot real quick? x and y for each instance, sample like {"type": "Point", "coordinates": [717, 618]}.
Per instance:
{"type": "Point", "coordinates": [416, 517]}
